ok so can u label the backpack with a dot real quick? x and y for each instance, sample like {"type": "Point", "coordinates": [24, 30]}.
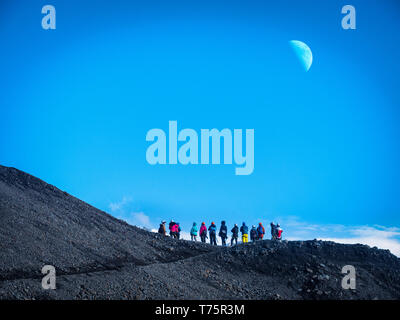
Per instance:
{"type": "Point", "coordinates": [203, 231]}
{"type": "Point", "coordinates": [261, 230]}
{"type": "Point", "coordinates": [213, 229]}
{"type": "Point", "coordinates": [253, 233]}
{"type": "Point", "coordinates": [161, 229]}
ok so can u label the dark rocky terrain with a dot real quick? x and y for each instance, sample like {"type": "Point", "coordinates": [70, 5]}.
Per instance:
{"type": "Point", "coordinates": [99, 257]}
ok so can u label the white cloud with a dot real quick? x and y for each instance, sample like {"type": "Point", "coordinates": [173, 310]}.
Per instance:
{"type": "Point", "coordinates": [186, 235]}
{"type": "Point", "coordinates": [117, 206]}
{"type": "Point", "coordinates": [381, 237]}
{"type": "Point", "coordinates": [137, 219]}
{"type": "Point", "coordinates": [142, 219]}
{"type": "Point", "coordinates": [121, 210]}
{"type": "Point", "coordinates": [374, 236]}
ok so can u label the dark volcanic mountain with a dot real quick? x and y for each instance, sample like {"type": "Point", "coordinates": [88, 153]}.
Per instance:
{"type": "Point", "coordinates": [99, 257]}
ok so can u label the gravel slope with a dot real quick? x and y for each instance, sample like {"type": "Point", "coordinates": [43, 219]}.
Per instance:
{"type": "Point", "coordinates": [99, 257]}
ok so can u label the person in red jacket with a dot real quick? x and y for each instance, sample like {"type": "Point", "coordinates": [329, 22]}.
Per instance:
{"type": "Point", "coordinates": [170, 227]}
{"type": "Point", "coordinates": [203, 232]}
{"type": "Point", "coordinates": [278, 232]}
{"type": "Point", "coordinates": [174, 230]}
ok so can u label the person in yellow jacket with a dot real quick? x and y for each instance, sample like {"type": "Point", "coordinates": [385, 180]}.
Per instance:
{"type": "Point", "coordinates": [245, 233]}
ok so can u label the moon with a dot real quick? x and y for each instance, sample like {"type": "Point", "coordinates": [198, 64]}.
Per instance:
{"type": "Point", "coordinates": [303, 52]}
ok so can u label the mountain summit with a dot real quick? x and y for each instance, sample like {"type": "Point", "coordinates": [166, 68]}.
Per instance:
{"type": "Point", "coordinates": [97, 256]}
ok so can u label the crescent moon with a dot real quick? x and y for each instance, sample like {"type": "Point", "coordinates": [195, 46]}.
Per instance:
{"type": "Point", "coordinates": [303, 52]}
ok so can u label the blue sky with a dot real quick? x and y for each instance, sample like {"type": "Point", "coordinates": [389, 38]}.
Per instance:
{"type": "Point", "coordinates": [77, 102]}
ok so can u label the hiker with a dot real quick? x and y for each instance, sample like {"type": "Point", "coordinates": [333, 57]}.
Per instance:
{"type": "Point", "coordinates": [235, 234]}
{"type": "Point", "coordinates": [273, 231]}
{"type": "Point", "coordinates": [213, 233]}
{"type": "Point", "coordinates": [278, 232]}
{"type": "Point", "coordinates": [223, 233]}
{"type": "Point", "coordinates": [253, 233]}
{"type": "Point", "coordinates": [260, 231]}
{"type": "Point", "coordinates": [174, 231]}
{"type": "Point", "coordinates": [171, 227]}
{"type": "Point", "coordinates": [203, 232]}
{"type": "Point", "coordinates": [193, 232]}
{"type": "Point", "coordinates": [245, 233]}
{"type": "Point", "coordinates": [178, 230]}
{"type": "Point", "coordinates": [162, 230]}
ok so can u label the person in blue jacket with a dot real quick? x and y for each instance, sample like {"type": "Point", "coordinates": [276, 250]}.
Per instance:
{"type": "Point", "coordinates": [253, 234]}
{"type": "Point", "coordinates": [193, 232]}
{"type": "Point", "coordinates": [273, 231]}
{"type": "Point", "coordinates": [223, 233]}
{"type": "Point", "coordinates": [213, 233]}
{"type": "Point", "coordinates": [235, 234]}
{"type": "Point", "coordinates": [245, 233]}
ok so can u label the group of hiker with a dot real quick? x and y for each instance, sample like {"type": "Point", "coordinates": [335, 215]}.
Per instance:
{"type": "Point", "coordinates": [174, 229]}
{"type": "Point", "coordinates": [256, 233]}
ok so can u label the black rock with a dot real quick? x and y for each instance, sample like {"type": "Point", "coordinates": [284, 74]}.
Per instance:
{"type": "Point", "coordinates": [97, 256]}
